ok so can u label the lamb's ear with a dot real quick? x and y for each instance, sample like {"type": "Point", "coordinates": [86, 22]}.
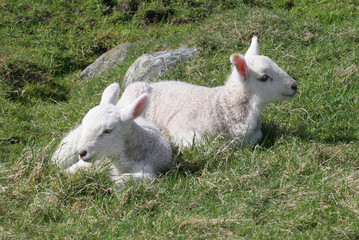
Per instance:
{"type": "Point", "coordinates": [254, 48]}
{"type": "Point", "coordinates": [110, 95]}
{"type": "Point", "coordinates": [240, 64]}
{"type": "Point", "coordinates": [135, 110]}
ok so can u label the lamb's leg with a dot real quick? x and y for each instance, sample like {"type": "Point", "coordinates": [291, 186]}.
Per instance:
{"type": "Point", "coordinates": [139, 172]}
{"type": "Point", "coordinates": [256, 136]}
{"type": "Point", "coordinates": [79, 165]}
{"type": "Point", "coordinates": [184, 139]}
{"type": "Point", "coordinates": [127, 177]}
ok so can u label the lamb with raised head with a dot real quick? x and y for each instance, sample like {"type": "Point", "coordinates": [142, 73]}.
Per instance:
{"type": "Point", "coordinates": [189, 112]}
{"type": "Point", "coordinates": [134, 147]}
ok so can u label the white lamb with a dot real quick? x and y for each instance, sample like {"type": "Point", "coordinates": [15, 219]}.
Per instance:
{"type": "Point", "coordinates": [188, 112]}
{"type": "Point", "coordinates": [134, 148]}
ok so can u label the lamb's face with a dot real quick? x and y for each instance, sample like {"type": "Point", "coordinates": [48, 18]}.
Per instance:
{"type": "Point", "coordinates": [268, 81]}
{"type": "Point", "coordinates": [105, 127]}
{"type": "Point", "coordinates": [102, 129]}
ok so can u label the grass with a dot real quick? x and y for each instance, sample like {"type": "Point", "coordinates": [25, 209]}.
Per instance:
{"type": "Point", "coordinates": [300, 182]}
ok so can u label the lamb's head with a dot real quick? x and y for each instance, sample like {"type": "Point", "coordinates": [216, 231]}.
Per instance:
{"type": "Point", "coordinates": [105, 127]}
{"type": "Point", "coordinates": [261, 77]}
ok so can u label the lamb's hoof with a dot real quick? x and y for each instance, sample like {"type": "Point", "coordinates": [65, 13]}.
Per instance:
{"type": "Point", "coordinates": [123, 179]}
{"type": "Point", "coordinates": [70, 170]}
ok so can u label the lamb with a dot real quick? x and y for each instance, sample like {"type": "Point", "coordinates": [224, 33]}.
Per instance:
{"type": "Point", "coordinates": [188, 113]}
{"type": "Point", "coordinates": [135, 148]}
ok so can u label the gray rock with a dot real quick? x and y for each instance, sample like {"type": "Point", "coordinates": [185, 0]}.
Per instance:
{"type": "Point", "coordinates": [107, 61]}
{"type": "Point", "coordinates": [152, 65]}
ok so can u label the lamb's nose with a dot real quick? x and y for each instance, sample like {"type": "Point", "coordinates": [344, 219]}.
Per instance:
{"type": "Point", "coordinates": [294, 86]}
{"type": "Point", "coordinates": [82, 153]}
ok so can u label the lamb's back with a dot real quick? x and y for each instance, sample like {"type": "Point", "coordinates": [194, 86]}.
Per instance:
{"type": "Point", "coordinates": [183, 104]}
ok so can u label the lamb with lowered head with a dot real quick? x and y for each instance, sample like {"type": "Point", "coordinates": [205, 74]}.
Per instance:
{"type": "Point", "coordinates": [134, 147]}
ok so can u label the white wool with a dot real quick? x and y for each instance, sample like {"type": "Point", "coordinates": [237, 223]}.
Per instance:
{"type": "Point", "coordinates": [189, 112]}
{"type": "Point", "coordinates": [134, 147]}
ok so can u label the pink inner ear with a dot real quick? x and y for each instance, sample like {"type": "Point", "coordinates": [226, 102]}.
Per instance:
{"type": "Point", "coordinates": [241, 65]}
{"type": "Point", "coordinates": [140, 106]}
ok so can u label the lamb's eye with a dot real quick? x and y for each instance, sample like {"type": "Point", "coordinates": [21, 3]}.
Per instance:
{"type": "Point", "coordinates": [107, 131]}
{"type": "Point", "coordinates": [264, 78]}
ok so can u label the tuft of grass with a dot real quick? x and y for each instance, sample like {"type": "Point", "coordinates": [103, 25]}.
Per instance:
{"type": "Point", "coordinates": [299, 181]}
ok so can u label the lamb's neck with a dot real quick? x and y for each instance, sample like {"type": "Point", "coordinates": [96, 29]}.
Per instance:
{"type": "Point", "coordinates": [257, 103]}
{"type": "Point", "coordinates": [134, 135]}
{"type": "Point", "coordinates": [255, 113]}
{"type": "Point", "coordinates": [241, 104]}
{"type": "Point", "coordinates": [241, 108]}
{"type": "Point", "coordinates": [238, 93]}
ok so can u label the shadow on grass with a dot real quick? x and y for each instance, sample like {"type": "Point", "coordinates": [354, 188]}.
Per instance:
{"type": "Point", "coordinates": [182, 166]}
{"type": "Point", "coordinates": [272, 132]}
{"type": "Point", "coordinates": [25, 81]}
{"type": "Point", "coordinates": [193, 160]}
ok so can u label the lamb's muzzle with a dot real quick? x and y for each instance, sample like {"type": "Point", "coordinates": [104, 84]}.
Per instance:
{"type": "Point", "coordinates": [85, 156]}
{"type": "Point", "coordinates": [82, 154]}
{"type": "Point", "coordinates": [294, 86]}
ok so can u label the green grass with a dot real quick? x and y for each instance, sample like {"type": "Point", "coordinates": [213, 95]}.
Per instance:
{"type": "Point", "coordinates": [300, 182]}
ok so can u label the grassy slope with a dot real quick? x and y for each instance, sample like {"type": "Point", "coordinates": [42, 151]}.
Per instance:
{"type": "Point", "coordinates": [301, 181]}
